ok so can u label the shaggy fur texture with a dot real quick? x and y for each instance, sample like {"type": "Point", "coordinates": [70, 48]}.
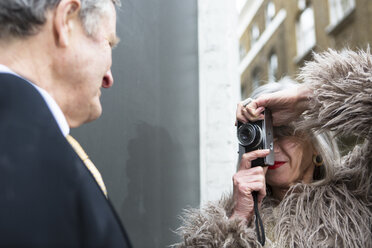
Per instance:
{"type": "Point", "coordinates": [337, 213]}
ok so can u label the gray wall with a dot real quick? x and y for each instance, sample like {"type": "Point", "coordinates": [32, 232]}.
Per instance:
{"type": "Point", "coordinates": [146, 143]}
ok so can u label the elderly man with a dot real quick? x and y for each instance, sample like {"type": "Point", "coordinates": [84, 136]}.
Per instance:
{"type": "Point", "coordinates": [55, 56]}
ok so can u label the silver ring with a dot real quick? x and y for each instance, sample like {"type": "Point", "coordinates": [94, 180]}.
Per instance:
{"type": "Point", "coordinates": [247, 101]}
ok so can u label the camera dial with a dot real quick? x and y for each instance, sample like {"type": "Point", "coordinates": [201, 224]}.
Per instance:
{"type": "Point", "coordinates": [250, 135]}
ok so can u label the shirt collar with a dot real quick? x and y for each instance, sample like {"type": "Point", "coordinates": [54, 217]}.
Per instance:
{"type": "Point", "coordinates": [52, 104]}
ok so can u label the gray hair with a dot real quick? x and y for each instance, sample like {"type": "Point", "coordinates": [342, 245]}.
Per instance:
{"type": "Point", "coordinates": [324, 142]}
{"type": "Point", "coordinates": [22, 18]}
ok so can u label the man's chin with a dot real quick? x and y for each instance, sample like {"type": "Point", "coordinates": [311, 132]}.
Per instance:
{"type": "Point", "coordinates": [94, 115]}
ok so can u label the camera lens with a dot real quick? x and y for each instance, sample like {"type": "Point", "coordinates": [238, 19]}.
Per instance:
{"type": "Point", "coordinates": [246, 134]}
{"type": "Point", "coordinates": [249, 135]}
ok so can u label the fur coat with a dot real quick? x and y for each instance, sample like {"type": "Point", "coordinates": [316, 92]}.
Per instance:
{"type": "Point", "coordinates": [334, 214]}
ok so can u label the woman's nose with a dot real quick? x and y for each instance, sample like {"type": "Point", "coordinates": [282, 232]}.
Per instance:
{"type": "Point", "coordinates": [276, 146]}
{"type": "Point", "coordinates": [108, 80]}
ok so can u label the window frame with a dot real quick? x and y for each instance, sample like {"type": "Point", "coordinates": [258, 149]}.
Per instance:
{"type": "Point", "coordinates": [305, 36]}
{"type": "Point", "coordinates": [338, 11]}
{"type": "Point", "coordinates": [269, 17]}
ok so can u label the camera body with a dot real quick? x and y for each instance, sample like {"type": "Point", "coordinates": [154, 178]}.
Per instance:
{"type": "Point", "coordinates": [257, 135]}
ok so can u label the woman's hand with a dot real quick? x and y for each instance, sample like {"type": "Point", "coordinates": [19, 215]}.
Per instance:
{"type": "Point", "coordinates": [247, 180]}
{"type": "Point", "coordinates": [285, 106]}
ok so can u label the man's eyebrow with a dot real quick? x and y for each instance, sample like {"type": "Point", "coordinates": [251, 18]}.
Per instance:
{"type": "Point", "coordinates": [114, 40]}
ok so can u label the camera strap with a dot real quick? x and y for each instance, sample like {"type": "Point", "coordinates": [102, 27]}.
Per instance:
{"type": "Point", "coordinates": [259, 225]}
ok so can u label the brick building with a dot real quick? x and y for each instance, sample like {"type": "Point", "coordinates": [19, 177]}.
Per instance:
{"type": "Point", "coordinates": [276, 37]}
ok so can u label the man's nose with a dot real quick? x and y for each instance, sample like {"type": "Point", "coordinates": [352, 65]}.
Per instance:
{"type": "Point", "coordinates": [108, 80]}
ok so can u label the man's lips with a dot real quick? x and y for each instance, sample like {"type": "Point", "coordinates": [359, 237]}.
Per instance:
{"type": "Point", "coordinates": [276, 165]}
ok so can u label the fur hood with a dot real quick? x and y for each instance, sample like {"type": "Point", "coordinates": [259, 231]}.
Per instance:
{"type": "Point", "coordinates": [335, 214]}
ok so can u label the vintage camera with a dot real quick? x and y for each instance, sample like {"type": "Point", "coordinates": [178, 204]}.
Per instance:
{"type": "Point", "coordinates": [257, 135]}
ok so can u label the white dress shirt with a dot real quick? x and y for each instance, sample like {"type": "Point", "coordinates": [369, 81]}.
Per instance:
{"type": "Point", "coordinates": [52, 104]}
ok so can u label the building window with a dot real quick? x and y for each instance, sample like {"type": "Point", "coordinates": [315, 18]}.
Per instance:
{"type": "Point", "coordinates": [273, 67]}
{"type": "Point", "coordinates": [242, 51]}
{"type": "Point", "coordinates": [305, 31]}
{"type": "Point", "coordinates": [301, 4]}
{"type": "Point", "coordinates": [270, 13]}
{"type": "Point", "coordinates": [255, 34]}
{"type": "Point", "coordinates": [338, 9]}
{"type": "Point", "coordinates": [243, 93]}
{"type": "Point", "coordinates": [255, 79]}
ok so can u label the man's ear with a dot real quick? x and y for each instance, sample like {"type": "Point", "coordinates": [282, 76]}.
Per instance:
{"type": "Point", "coordinates": [66, 15]}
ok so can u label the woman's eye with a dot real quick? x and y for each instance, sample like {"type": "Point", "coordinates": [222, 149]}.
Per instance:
{"type": "Point", "coordinates": [283, 131]}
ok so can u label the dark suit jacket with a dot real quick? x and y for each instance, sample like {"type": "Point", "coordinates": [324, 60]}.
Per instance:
{"type": "Point", "coordinates": [48, 198]}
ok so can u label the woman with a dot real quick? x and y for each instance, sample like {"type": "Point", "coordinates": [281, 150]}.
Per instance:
{"type": "Point", "coordinates": [310, 197]}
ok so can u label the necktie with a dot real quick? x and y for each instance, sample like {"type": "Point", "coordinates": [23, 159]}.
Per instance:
{"type": "Point", "coordinates": [88, 163]}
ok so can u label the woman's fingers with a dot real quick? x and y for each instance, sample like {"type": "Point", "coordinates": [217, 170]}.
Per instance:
{"type": "Point", "coordinates": [248, 188]}
{"type": "Point", "coordinates": [239, 113]}
{"type": "Point", "coordinates": [251, 175]}
{"type": "Point", "coordinates": [246, 182]}
{"type": "Point", "coordinates": [286, 105]}
{"type": "Point", "coordinates": [247, 158]}
{"type": "Point", "coordinates": [249, 180]}
{"type": "Point", "coordinates": [251, 112]}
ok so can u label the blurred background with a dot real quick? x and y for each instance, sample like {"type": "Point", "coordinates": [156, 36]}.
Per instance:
{"type": "Point", "coordinates": [276, 37]}
{"type": "Point", "coordinates": [166, 140]}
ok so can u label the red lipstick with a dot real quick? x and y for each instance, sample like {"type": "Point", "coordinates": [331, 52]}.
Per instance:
{"type": "Point", "coordinates": [276, 165]}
